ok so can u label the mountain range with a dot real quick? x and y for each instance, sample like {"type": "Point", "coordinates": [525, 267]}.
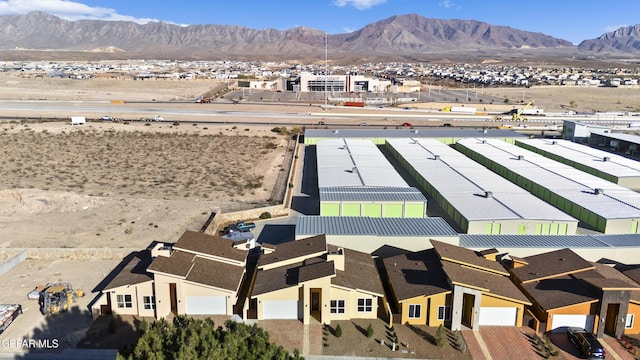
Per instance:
{"type": "Point", "coordinates": [401, 37]}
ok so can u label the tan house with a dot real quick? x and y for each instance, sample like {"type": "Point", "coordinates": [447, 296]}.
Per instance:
{"type": "Point", "coordinates": [567, 290]}
{"type": "Point", "coordinates": [307, 280]}
{"type": "Point", "coordinates": [198, 275]}
{"type": "Point", "coordinates": [128, 290]}
{"type": "Point", "coordinates": [453, 286]}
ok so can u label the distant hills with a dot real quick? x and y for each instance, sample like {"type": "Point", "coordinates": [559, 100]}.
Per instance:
{"type": "Point", "coordinates": [404, 36]}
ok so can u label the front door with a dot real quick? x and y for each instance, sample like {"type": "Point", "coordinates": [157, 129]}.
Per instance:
{"type": "Point", "coordinates": [612, 318]}
{"type": "Point", "coordinates": [173, 298]}
{"type": "Point", "coordinates": [316, 300]}
{"type": "Point", "coordinates": [467, 310]}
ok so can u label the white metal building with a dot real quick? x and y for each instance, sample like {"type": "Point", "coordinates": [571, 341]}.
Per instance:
{"type": "Point", "coordinates": [600, 204]}
{"type": "Point", "coordinates": [478, 200]}
{"type": "Point", "coordinates": [613, 167]}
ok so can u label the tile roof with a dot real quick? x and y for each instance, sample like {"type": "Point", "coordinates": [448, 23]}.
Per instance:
{"type": "Point", "coordinates": [295, 249]}
{"type": "Point", "coordinates": [196, 242]}
{"type": "Point", "coordinates": [215, 273]}
{"type": "Point", "coordinates": [416, 274]}
{"type": "Point", "coordinates": [178, 264]}
{"type": "Point", "coordinates": [132, 270]}
{"type": "Point", "coordinates": [467, 257]}
{"type": "Point", "coordinates": [359, 272]}
{"type": "Point", "coordinates": [488, 282]}
{"type": "Point", "coordinates": [551, 264]}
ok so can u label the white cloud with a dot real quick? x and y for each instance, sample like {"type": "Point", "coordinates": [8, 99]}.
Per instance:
{"type": "Point", "coordinates": [65, 9]}
{"type": "Point", "coordinates": [448, 4]}
{"type": "Point", "coordinates": [359, 4]}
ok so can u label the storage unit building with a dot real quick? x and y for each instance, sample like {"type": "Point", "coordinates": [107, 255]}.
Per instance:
{"type": "Point", "coordinates": [612, 167]}
{"type": "Point", "coordinates": [600, 204]}
{"type": "Point", "coordinates": [476, 199]}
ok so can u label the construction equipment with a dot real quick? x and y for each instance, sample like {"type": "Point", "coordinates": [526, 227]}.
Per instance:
{"type": "Point", "coordinates": [58, 298]}
{"type": "Point", "coordinates": [517, 116]}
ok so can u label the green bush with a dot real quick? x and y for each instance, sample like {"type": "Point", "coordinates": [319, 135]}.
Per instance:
{"type": "Point", "coordinates": [441, 336]}
{"type": "Point", "coordinates": [338, 331]}
{"type": "Point", "coordinates": [369, 331]}
{"type": "Point", "coordinates": [265, 215]}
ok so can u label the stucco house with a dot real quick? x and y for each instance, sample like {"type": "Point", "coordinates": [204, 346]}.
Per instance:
{"type": "Point", "coordinates": [566, 290]}
{"type": "Point", "coordinates": [453, 286]}
{"type": "Point", "coordinates": [199, 274]}
{"type": "Point", "coordinates": [311, 281]}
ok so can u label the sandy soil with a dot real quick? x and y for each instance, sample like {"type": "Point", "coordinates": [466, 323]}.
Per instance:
{"type": "Point", "coordinates": [114, 185]}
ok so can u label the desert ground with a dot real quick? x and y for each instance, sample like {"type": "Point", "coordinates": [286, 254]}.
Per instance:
{"type": "Point", "coordinates": [115, 185]}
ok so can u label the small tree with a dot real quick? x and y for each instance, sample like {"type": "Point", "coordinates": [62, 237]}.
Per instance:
{"type": "Point", "coordinates": [338, 331]}
{"type": "Point", "coordinates": [369, 331]}
{"type": "Point", "coordinates": [441, 336]}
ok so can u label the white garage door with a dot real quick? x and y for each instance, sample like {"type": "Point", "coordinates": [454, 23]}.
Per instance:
{"type": "Point", "coordinates": [581, 321]}
{"type": "Point", "coordinates": [501, 316]}
{"type": "Point", "coordinates": [280, 309]}
{"type": "Point", "coordinates": [206, 305]}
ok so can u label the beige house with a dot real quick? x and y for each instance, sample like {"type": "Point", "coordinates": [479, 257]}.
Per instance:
{"type": "Point", "coordinates": [198, 275]}
{"type": "Point", "coordinates": [307, 280]}
{"type": "Point", "coordinates": [128, 290]}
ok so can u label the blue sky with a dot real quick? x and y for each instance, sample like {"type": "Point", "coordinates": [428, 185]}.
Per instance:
{"type": "Point", "coordinates": [573, 20]}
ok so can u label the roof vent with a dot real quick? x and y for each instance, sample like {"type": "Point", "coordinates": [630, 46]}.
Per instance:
{"type": "Point", "coordinates": [354, 169]}
{"type": "Point", "coordinates": [488, 194]}
{"type": "Point", "coordinates": [598, 191]}
{"type": "Point", "coordinates": [436, 157]}
{"type": "Point", "coordinates": [483, 141]}
{"type": "Point", "coordinates": [415, 131]}
{"type": "Point", "coordinates": [520, 157]}
{"type": "Point", "coordinates": [335, 131]}
{"type": "Point", "coordinates": [554, 142]}
{"type": "Point", "coordinates": [606, 158]}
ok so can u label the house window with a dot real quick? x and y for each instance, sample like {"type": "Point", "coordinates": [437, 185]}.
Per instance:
{"type": "Point", "coordinates": [629, 323]}
{"type": "Point", "coordinates": [365, 305]}
{"type": "Point", "coordinates": [124, 301]}
{"type": "Point", "coordinates": [444, 312]}
{"type": "Point", "coordinates": [148, 302]}
{"type": "Point", "coordinates": [414, 311]}
{"type": "Point", "coordinates": [337, 306]}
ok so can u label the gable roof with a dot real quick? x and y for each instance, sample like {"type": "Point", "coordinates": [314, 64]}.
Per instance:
{"type": "Point", "coordinates": [209, 245]}
{"type": "Point", "coordinates": [311, 246]}
{"type": "Point", "coordinates": [292, 275]}
{"type": "Point", "coordinates": [215, 273]}
{"type": "Point", "coordinates": [416, 274]}
{"type": "Point", "coordinates": [489, 283]}
{"type": "Point", "coordinates": [561, 291]}
{"type": "Point", "coordinates": [470, 258]}
{"type": "Point", "coordinates": [551, 264]}
{"type": "Point", "coordinates": [359, 272]}
{"type": "Point", "coordinates": [133, 270]}
{"type": "Point", "coordinates": [178, 264]}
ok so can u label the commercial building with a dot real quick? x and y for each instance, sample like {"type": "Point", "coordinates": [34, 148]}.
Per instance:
{"type": "Point", "coordinates": [476, 199]}
{"type": "Point", "coordinates": [355, 179]}
{"type": "Point", "coordinates": [609, 166]}
{"type": "Point", "coordinates": [599, 204]}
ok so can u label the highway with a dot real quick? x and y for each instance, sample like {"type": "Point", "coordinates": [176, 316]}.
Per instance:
{"type": "Point", "coordinates": [284, 113]}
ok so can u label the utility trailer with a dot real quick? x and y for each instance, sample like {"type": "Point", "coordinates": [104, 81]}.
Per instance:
{"type": "Point", "coordinates": [8, 313]}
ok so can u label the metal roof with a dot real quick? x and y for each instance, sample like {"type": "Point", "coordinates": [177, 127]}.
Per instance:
{"type": "Point", "coordinates": [610, 201]}
{"type": "Point", "coordinates": [354, 162]}
{"type": "Point", "coordinates": [473, 190]}
{"type": "Point", "coordinates": [549, 241]}
{"type": "Point", "coordinates": [634, 139]}
{"type": "Point", "coordinates": [352, 225]}
{"type": "Point", "coordinates": [416, 133]}
{"type": "Point", "coordinates": [343, 193]}
{"type": "Point", "coordinates": [606, 162]}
